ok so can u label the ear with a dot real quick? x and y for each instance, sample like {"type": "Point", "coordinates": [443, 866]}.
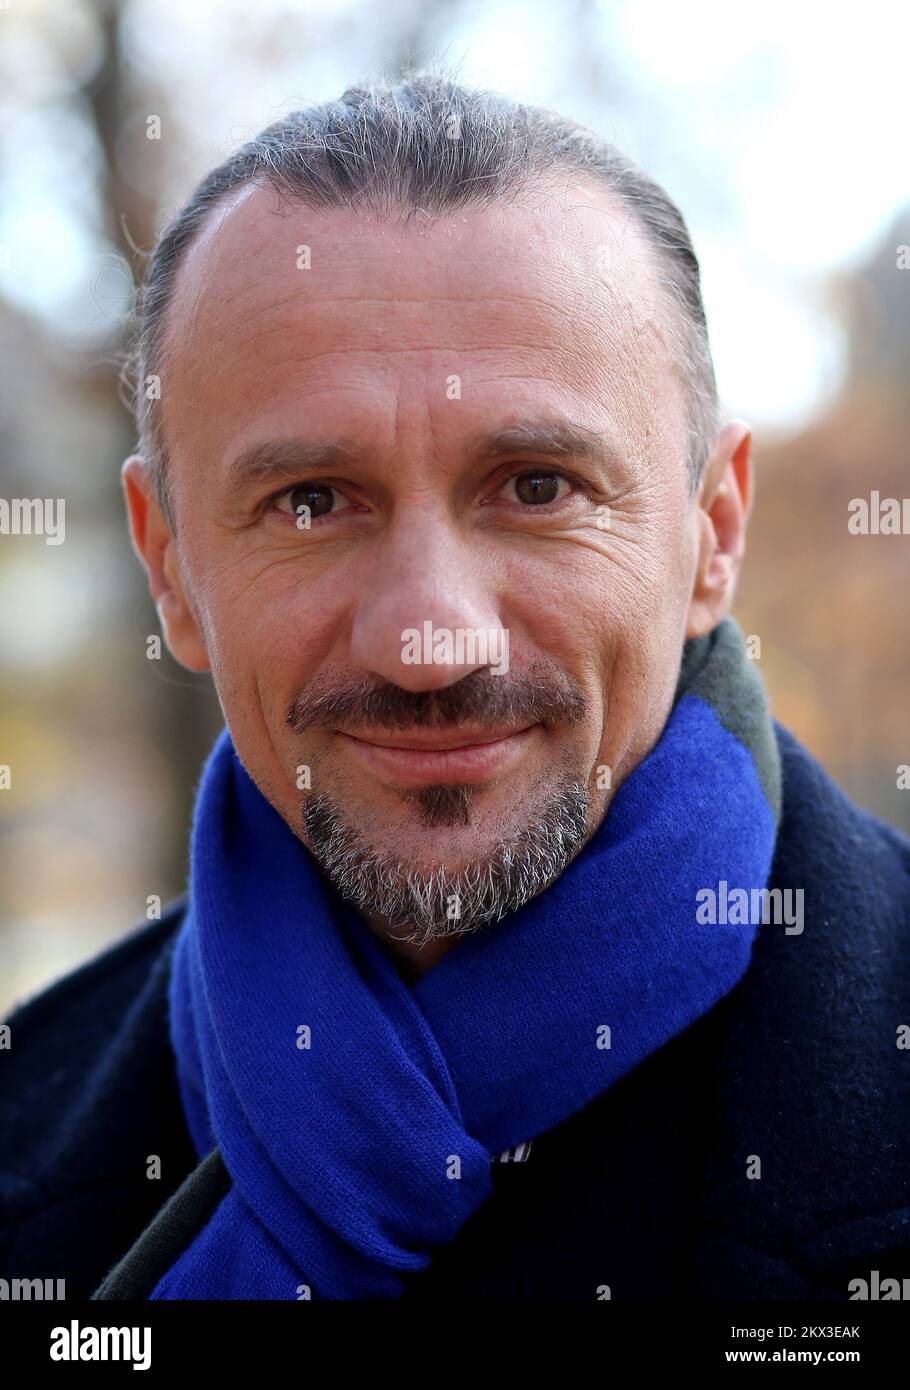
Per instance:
{"type": "Point", "coordinates": [154, 544]}
{"type": "Point", "coordinates": [723, 510]}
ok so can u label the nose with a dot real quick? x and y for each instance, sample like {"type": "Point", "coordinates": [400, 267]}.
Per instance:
{"type": "Point", "coordinates": [428, 583]}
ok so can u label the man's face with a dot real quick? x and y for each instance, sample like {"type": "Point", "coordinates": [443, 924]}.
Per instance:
{"type": "Point", "coordinates": [407, 351]}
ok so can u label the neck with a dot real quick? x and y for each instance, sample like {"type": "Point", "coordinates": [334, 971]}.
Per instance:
{"type": "Point", "coordinates": [411, 958]}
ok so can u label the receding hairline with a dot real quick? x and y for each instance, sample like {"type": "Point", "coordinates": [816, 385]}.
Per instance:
{"type": "Point", "coordinates": [428, 142]}
{"type": "Point", "coordinates": [406, 218]}
{"type": "Point", "coordinates": [410, 219]}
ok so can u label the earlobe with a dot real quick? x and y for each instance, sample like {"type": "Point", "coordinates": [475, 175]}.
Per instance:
{"type": "Point", "coordinates": [156, 548]}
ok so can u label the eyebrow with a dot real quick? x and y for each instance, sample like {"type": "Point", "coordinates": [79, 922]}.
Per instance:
{"type": "Point", "coordinates": [555, 439]}
{"type": "Point", "coordinates": [282, 457]}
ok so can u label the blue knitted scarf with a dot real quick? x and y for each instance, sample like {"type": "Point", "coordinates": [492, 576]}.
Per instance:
{"type": "Point", "coordinates": [358, 1116]}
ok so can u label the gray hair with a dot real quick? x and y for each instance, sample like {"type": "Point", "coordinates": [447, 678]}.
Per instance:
{"type": "Point", "coordinates": [426, 143]}
{"type": "Point", "coordinates": [482, 891]}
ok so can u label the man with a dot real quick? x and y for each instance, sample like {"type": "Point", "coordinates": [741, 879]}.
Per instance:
{"type": "Point", "coordinates": [523, 954]}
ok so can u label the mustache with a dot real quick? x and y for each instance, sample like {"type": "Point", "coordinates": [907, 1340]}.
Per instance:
{"type": "Point", "coordinates": [541, 695]}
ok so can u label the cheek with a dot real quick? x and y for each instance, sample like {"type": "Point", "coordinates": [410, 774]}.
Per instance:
{"type": "Point", "coordinates": [641, 621]}
{"type": "Point", "coordinates": [608, 614]}
{"type": "Point", "coordinates": [644, 680]}
{"type": "Point", "coordinates": [272, 634]}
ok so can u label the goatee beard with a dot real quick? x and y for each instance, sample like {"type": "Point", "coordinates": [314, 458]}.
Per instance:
{"type": "Point", "coordinates": [439, 902]}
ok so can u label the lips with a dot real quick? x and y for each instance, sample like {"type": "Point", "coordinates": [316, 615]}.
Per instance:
{"type": "Point", "coordinates": [438, 756]}
{"type": "Point", "coordinates": [440, 742]}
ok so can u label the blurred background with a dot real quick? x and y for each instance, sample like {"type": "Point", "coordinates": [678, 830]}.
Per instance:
{"type": "Point", "coordinates": [782, 133]}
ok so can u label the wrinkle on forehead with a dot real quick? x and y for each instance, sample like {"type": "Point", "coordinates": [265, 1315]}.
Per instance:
{"type": "Point", "coordinates": [570, 281]}
{"type": "Point", "coordinates": [234, 256]}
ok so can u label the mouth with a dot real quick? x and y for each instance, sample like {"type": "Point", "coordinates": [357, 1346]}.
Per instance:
{"type": "Point", "coordinates": [430, 756]}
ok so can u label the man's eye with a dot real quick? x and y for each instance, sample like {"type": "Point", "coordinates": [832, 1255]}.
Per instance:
{"type": "Point", "coordinates": [537, 487]}
{"type": "Point", "coordinates": [319, 498]}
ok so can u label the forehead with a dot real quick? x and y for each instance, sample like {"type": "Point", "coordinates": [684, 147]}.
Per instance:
{"type": "Point", "coordinates": [276, 300]}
